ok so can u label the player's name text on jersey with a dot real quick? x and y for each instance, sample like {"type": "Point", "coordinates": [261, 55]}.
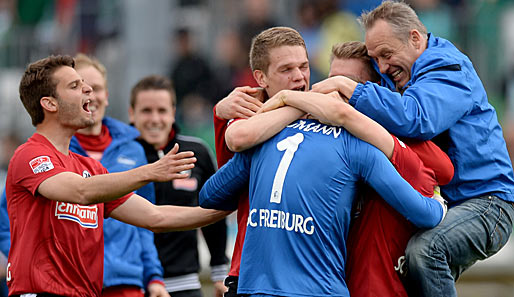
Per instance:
{"type": "Point", "coordinates": [277, 219]}
{"type": "Point", "coordinates": [316, 128]}
{"type": "Point", "coordinates": [86, 216]}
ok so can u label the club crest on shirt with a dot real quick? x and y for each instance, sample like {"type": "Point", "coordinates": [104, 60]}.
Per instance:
{"type": "Point", "coordinates": [86, 216]}
{"type": "Point", "coordinates": [41, 164]}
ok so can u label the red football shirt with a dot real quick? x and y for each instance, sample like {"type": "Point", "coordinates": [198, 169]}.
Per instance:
{"type": "Point", "coordinates": [223, 155]}
{"type": "Point", "coordinates": [56, 247]}
{"type": "Point", "coordinates": [378, 236]}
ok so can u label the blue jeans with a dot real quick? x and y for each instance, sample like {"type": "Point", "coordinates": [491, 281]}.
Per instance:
{"type": "Point", "coordinates": [473, 230]}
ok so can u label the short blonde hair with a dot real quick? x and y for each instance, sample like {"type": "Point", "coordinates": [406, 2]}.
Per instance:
{"type": "Point", "coordinates": [269, 39]}
{"type": "Point", "coordinates": [82, 60]}
{"type": "Point", "coordinates": [355, 50]}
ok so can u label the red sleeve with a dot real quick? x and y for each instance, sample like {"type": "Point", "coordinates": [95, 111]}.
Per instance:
{"type": "Point", "coordinates": [110, 206]}
{"type": "Point", "coordinates": [223, 154]}
{"type": "Point", "coordinates": [434, 158]}
{"type": "Point", "coordinates": [33, 166]}
{"type": "Point", "coordinates": [412, 169]}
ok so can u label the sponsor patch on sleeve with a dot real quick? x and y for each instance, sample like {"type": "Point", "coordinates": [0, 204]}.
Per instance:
{"type": "Point", "coordinates": [401, 143]}
{"type": "Point", "coordinates": [41, 164]}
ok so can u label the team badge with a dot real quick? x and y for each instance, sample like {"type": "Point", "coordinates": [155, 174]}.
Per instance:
{"type": "Point", "coordinates": [41, 164]}
{"type": "Point", "coordinates": [86, 174]}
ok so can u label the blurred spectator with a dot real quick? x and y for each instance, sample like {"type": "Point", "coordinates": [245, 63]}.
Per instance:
{"type": "Point", "coordinates": [196, 118]}
{"type": "Point", "coordinates": [233, 69]}
{"type": "Point", "coordinates": [357, 7]}
{"type": "Point", "coordinates": [256, 18]}
{"type": "Point", "coordinates": [336, 26]}
{"type": "Point", "coordinates": [8, 144]}
{"type": "Point", "coordinates": [437, 16]}
{"type": "Point", "coordinates": [309, 28]}
{"type": "Point", "coordinates": [191, 73]}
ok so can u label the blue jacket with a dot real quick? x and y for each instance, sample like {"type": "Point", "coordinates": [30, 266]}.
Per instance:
{"type": "Point", "coordinates": [130, 256]}
{"type": "Point", "coordinates": [445, 98]}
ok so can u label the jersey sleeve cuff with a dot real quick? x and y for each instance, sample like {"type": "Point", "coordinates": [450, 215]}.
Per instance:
{"type": "Point", "coordinates": [219, 272]}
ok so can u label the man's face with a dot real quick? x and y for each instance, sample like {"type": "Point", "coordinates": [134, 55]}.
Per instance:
{"type": "Point", "coordinates": [288, 70]}
{"type": "Point", "coordinates": [153, 115]}
{"type": "Point", "coordinates": [73, 97]}
{"type": "Point", "coordinates": [355, 69]}
{"type": "Point", "coordinates": [99, 101]}
{"type": "Point", "coordinates": [393, 56]}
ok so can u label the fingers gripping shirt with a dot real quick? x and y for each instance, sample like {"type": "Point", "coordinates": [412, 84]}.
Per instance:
{"type": "Point", "coordinates": [301, 192]}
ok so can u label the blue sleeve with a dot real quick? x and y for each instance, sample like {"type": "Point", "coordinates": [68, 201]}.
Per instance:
{"type": "Point", "coordinates": [434, 103]}
{"type": "Point", "coordinates": [377, 171]}
{"type": "Point", "coordinates": [152, 268]}
{"type": "Point", "coordinates": [221, 190]}
{"type": "Point", "coordinates": [5, 233]}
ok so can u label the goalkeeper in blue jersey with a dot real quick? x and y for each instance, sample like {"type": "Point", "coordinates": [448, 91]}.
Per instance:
{"type": "Point", "coordinates": [302, 185]}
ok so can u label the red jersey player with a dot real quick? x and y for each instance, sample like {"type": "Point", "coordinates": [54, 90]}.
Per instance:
{"type": "Point", "coordinates": [359, 125]}
{"type": "Point", "coordinates": [57, 200]}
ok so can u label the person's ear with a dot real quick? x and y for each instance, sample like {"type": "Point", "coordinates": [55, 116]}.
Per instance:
{"type": "Point", "coordinates": [49, 104]}
{"type": "Point", "coordinates": [131, 114]}
{"type": "Point", "coordinates": [416, 39]}
{"type": "Point", "coordinates": [260, 78]}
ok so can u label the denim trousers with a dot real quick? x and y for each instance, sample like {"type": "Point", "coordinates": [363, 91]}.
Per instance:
{"type": "Point", "coordinates": [473, 230]}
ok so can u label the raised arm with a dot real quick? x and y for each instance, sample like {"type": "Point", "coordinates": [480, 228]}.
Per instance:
{"type": "Point", "coordinates": [72, 187]}
{"type": "Point", "coordinates": [331, 109]}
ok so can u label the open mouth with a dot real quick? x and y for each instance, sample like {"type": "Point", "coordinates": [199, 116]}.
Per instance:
{"type": "Point", "coordinates": [302, 88]}
{"type": "Point", "coordinates": [396, 74]}
{"type": "Point", "coordinates": [86, 106]}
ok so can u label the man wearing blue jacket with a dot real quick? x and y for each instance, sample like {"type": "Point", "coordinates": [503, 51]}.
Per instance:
{"type": "Point", "coordinates": [131, 262]}
{"type": "Point", "coordinates": [430, 90]}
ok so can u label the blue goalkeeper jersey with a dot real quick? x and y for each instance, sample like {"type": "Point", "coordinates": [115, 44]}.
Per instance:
{"type": "Point", "coordinates": [302, 185]}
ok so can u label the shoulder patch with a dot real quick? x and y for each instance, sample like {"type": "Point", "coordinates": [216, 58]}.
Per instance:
{"type": "Point", "coordinates": [41, 164]}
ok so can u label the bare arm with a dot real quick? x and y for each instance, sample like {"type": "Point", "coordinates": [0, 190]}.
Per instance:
{"type": "Point", "coordinates": [72, 187]}
{"type": "Point", "coordinates": [341, 84]}
{"type": "Point", "coordinates": [246, 133]}
{"type": "Point", "coordinates": [242, 102]}
{"type": "Point", "coordinates": [164, 218]}
{"type": "Point", "coordinates": [331, 109]}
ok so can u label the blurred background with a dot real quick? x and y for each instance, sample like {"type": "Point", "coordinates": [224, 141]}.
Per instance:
{"type": "Point", "coordinates": [202, 45]}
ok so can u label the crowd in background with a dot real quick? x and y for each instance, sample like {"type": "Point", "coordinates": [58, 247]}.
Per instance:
{"type": "Point", "coordinates": [206, 45]}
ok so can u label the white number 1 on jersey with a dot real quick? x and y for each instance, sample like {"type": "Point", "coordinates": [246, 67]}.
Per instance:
{"type": "Point", "coordinates": [289, 145]}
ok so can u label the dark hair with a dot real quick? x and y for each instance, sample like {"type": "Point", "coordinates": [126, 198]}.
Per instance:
{"type": "Point", "coordinates": [152, 82]}
{"type": "Point", "coordinates": [38, 82]}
